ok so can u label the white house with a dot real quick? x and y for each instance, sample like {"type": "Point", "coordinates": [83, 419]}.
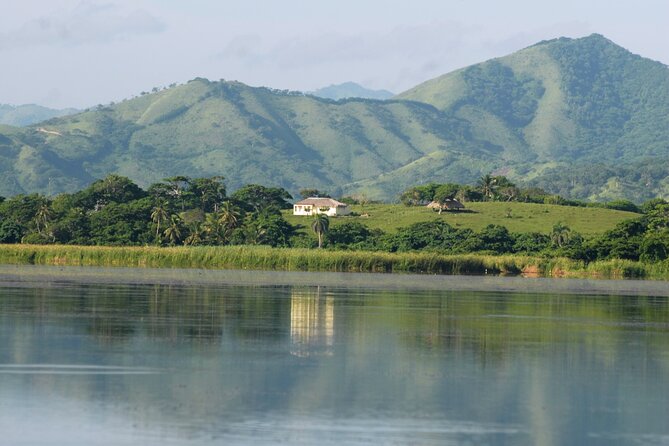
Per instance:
{"type": "Point", "coordinates": [316, 205]}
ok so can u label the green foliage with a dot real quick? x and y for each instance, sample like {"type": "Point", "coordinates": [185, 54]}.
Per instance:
{"type": "Point", "coordinates": [312, 192]}
{"type": "Point", "coordinates": [121, 224]}
{"type": "Point", "coordinates": [348, 233]}
{"type": "Point", "coordinates": [655, 246]}
{"type": "Point", "coordinates": [111, 189]}
{"type": "Point", "coordinates": [320, 224]}
{"type": "Point", "coordinates": [209, 193]}
{"type": "Point", "coordinates": [622, 205]}
{"type": "Point", "coordinates": [494, 87]}
{"type": "Point", "coordinates": [267, 227]}
{"type": "Point", "coordinates": [531, 242]}
{"type": "Point", "coordinates": [445, 192]}
{"type": "Point", "coordinates": [429, 235]}
{"type": "Point", "coordinates": [493, 238]}
{"type": "Point", "coordinates": [10, 232]}
{"type": "Point", "coordinates": [419, 195]}
{"type": "Point", "coordinates": [253, 197]}
{"type": "Point", "coordinates": [621, 242]}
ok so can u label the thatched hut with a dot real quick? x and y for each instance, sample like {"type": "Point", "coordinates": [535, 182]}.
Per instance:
{"type": "Point", "coordinates": [448, 205]}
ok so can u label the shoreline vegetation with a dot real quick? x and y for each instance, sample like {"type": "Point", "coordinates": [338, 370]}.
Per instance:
{"type": "Point", "coordinates": [299, 259]}
{"type": "Point", "coordinates": [186, 222]}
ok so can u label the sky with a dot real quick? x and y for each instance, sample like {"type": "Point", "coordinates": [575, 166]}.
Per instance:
{"type": "Point", "coordinates": [80, 53]}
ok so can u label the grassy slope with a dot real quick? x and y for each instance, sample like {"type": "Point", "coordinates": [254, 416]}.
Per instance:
{"type": "Point", "coordinates": [248, 135]}
{"type": "Point", "coordinates": [525, 217]}
{"type": "Point", "coordinates": [547, 106]}
{"type": "Point", "coordinates": [593, 94]}
{"type": "Point", "coordinates": [600, 103]}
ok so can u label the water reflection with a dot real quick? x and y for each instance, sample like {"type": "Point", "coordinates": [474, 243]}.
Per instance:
{"type": "Point", "coordinates": [161, 364]}
{"type": "Point", "coordinates": [311, 322]}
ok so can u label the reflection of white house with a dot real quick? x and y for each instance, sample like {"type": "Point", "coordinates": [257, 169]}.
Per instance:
{"type": "Point", "coordinates": [316, 205]}
{"type": "Point", "coordinates": [311, 322]}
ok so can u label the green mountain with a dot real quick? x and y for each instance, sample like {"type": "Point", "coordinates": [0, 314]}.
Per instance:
{"type": "Point", "coordinates": [541, 116]}
{"type": "Point", "coordinates": [351, 90]}
{"type": "Point", "coordinates": [22, 115]}
{"type": "Point", "coordinates": [248, 135]}
{"type": "Point", "coordinates": [565, 103]}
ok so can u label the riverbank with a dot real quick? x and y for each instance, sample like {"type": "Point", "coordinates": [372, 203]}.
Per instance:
{"type": "Point", "coordinates": [294, 259]}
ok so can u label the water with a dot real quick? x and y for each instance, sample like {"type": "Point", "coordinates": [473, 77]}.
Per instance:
{"type": "Point", "coordinates": [120, 357]}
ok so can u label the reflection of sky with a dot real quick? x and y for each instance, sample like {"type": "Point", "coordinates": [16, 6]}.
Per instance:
{"type": "Point", "coordinates": [200, 365]}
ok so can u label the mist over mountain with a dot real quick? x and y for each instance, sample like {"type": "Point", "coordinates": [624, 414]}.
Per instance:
{"type": "Point", "coordinates": [541, 116]}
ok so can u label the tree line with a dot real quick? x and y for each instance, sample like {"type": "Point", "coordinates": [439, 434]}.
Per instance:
{"type": "Point", "coordinates": [497, 188]}
{"type": "Point", "coordinates": [180, 210]}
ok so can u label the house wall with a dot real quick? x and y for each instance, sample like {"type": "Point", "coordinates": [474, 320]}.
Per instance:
{"type": "Point", "coordinates": [302, 210]}
{"type": "Point", "coordinates": [311, 210]}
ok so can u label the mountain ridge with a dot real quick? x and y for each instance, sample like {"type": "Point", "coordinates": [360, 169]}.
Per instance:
{"type": "Point", "coordinates": [28, 114]}
{"type": "Point", "coordinates": [536, 113]}
{"type": "Point", "coordinates": [349, 90]}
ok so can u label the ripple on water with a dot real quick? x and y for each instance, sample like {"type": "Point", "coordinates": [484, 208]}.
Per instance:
{"type": "Point", "coordinates": [73, 369]}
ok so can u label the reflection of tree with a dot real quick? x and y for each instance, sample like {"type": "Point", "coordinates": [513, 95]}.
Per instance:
{"type": "Point", "coordinates": [311, 322]}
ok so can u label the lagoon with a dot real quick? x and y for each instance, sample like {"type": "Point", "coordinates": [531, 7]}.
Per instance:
{"type": "Point", "coordinates": [103, 356]}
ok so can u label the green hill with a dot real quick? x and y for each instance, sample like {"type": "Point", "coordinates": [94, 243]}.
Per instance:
{"type": "Point", "coordinates": [248, 135]}
{"type": "Point", "coordinates": [565, 103]}
{"type": "Point", "coordinates": [541, 116]}
{"type": "Point", "coordinates": [517, 217]}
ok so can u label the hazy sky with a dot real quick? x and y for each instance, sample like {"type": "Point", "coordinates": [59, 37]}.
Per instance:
{"type": "Point", "coordinates": [78, 53]}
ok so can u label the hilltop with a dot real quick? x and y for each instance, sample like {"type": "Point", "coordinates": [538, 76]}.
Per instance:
{"type": "Point", "coordinates": [542, 115]}
{"type": "Point", "coordinates": [562, 104]}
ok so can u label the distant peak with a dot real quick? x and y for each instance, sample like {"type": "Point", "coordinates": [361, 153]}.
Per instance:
{"type": "Point", "coordinates": [351, 90]}
{"type": "Point", "coordinates": [596, 36]}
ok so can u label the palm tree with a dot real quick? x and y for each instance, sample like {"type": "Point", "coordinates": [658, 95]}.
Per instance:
{"type": "Point", "coordinates": [159, 215]}
{"type": "Point", "coordinates": [320, 226]}
{"type": "Point", "coordinates": [173, 231]}
{"type": "Point", "coordinates": [229, 216]}
{"type": "Point", "coordinates": [560, 234]}
{"type": "Point", "coordinates": [42, 217]}
{"type": "Point", "coordinates": [195, 237]}
{"type": "Point", "coordinates": [487, 186]}
{"type": "Point", "coordinates": [212, 228]}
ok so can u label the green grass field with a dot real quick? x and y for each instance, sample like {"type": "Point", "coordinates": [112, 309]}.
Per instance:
{"type": "Point", "coordinates": [517, 217]}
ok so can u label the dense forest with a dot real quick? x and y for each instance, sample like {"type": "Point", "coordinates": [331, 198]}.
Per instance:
{"type": "Point", "coordinates": [180, 210]}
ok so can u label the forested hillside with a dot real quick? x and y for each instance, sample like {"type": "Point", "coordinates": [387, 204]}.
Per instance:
{"type": "Point", "coordinates": [539, 116]}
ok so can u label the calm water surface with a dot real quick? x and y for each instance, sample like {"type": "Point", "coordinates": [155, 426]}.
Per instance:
{"type": "Point", "coordinates": [119, 360]}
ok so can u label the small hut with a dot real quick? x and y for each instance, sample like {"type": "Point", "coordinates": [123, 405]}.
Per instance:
{"type": "Point", "coordinates": [448, 205]}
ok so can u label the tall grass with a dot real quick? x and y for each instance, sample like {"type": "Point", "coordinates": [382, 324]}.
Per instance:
{"type": "Point", "coordinates": [294, 259]}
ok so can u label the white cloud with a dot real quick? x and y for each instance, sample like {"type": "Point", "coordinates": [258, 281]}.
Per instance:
{"type": "Point", "coordinates": [396, 58]}
{"type": "Point", "coordinates": [88, 22]}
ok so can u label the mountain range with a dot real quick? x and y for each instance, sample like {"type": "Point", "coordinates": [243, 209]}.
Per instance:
{"type": "Point", "coordinates": [22, 115]}
{"type": "Point", "coordinates": [351, 90]}
{"type": "Point", "coordinates": [581, 117]}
